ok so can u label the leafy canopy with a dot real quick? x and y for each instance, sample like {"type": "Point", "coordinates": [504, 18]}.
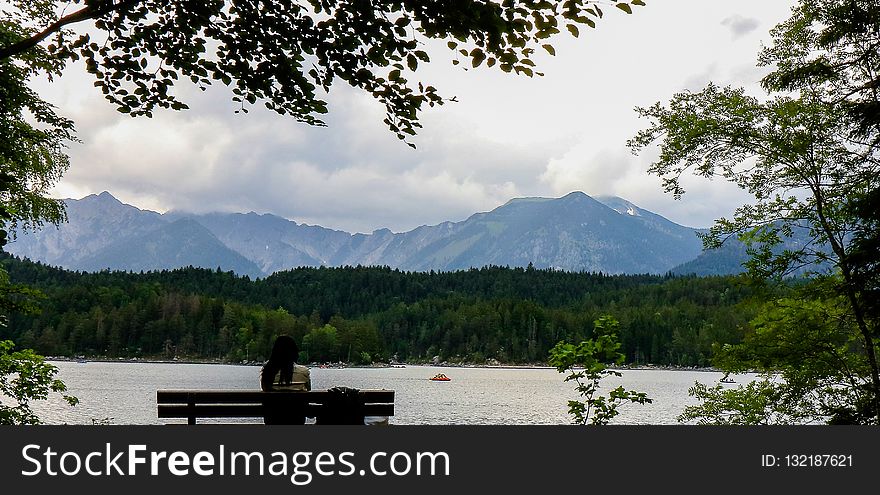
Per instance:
{"type": "Point", "coordinates": [759, 402]}
{"type": "Point", "coordinates": [32, 137]}
{"type": "Point", "coordinates": [32, 141]}
{"type": "Point", "coordinates": [807, 152]}
{"type": "Point", "coordinates": [24, 377]}
{"type": "Point", "coordinates": [586, 365]}
{"type": "Point", "coordinates": [829, 48]}
{"type": "Point", "coordinates": [813, 370]}
{"type": "Point", "coordinates": [795, 156]}
{"type": "Point", "coordinates": [285, 52]}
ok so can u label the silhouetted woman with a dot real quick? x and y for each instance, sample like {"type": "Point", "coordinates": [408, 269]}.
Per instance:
{"type": "Point", "coordinates": [281, 373]}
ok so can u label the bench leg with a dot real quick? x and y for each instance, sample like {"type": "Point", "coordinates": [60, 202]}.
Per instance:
{"type": "Point", "coordinates": [191, 419]}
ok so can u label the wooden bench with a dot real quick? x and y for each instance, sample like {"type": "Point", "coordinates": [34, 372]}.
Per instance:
{"type": "Point", "coordinates": [323, 405]}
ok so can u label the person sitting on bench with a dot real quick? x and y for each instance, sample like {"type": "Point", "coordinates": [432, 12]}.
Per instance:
{"type": "Point", "coordinates": [281, 373]}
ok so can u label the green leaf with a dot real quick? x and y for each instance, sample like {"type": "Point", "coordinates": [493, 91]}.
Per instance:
{"type": "Point", "coordinates": [477, 56]}
{"type": "Point", "coordinates": [550, 49]}
{"type": "Point", "coordinates": [624, 7]}
{"type": "Point", "coordinates": [573, 30]}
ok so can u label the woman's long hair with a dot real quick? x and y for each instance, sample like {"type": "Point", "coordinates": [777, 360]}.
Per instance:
{"type": "Point", "coordinates": [283, 357]}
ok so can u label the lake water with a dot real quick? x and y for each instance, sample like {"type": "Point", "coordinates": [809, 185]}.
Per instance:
{"type": "Point", "coordinates": [125, 393]}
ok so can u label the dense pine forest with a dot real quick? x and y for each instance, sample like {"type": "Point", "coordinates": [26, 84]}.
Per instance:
{"type": "Point", "coordinates": [374, 314]}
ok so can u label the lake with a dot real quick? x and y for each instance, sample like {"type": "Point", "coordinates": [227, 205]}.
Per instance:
{"type": "Point", "coordinates": [125, 392]}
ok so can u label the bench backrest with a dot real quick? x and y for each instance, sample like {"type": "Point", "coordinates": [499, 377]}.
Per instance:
{"type": "Point", "coordinates": [192, 404]}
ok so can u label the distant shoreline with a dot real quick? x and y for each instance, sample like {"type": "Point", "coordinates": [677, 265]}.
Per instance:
{"type": "Point", "coordinates": [375, 365]}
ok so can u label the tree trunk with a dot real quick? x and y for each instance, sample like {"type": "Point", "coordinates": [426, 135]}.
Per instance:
{"type": "Point", "coordinates": [852, 296]}
{"type": "Point", "coordinates": [866, 335]}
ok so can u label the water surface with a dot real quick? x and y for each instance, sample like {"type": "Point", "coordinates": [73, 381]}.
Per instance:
{"type": "Point", "coordinates": [125, 393]}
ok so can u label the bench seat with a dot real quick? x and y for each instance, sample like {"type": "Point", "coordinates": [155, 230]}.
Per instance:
{"type": "Point", "coordinates": [193, 404]}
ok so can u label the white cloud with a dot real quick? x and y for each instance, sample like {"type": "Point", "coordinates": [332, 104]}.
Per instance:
{"type": "Point", "coordinates": [740, 26]}
{"type": "Point", "coordinates": [507, 136]}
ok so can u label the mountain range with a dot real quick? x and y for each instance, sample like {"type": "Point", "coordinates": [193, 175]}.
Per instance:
{"type": "Point", "coordinates": [575, 233]}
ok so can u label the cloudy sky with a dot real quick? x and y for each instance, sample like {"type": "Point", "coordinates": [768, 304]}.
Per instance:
{"type": "Point", "coordinates": [506, 136]}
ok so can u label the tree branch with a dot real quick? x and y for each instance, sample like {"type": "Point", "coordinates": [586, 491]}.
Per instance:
{"type": "Point", "coordinates": [88, 12]}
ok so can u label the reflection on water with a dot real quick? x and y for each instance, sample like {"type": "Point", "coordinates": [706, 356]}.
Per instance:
{"type": "Point", "coordinates": [126, 392]}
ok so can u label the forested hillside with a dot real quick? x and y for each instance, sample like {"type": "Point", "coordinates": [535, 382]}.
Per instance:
{"type": "Point", "coordinates": [359, 315]}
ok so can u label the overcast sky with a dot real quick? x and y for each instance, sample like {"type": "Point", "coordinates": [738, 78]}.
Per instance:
{"type": "Point", "coordinates": [506, 136]}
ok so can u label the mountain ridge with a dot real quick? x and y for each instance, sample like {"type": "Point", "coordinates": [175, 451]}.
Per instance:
{"type": "Point", "coordinates": [575, 232]}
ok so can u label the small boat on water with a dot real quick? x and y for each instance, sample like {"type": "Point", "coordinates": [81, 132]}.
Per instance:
{"type": "Point", "coordinates": [440, 377]}
{"type": "Point", "coordinates": [727, 379]}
